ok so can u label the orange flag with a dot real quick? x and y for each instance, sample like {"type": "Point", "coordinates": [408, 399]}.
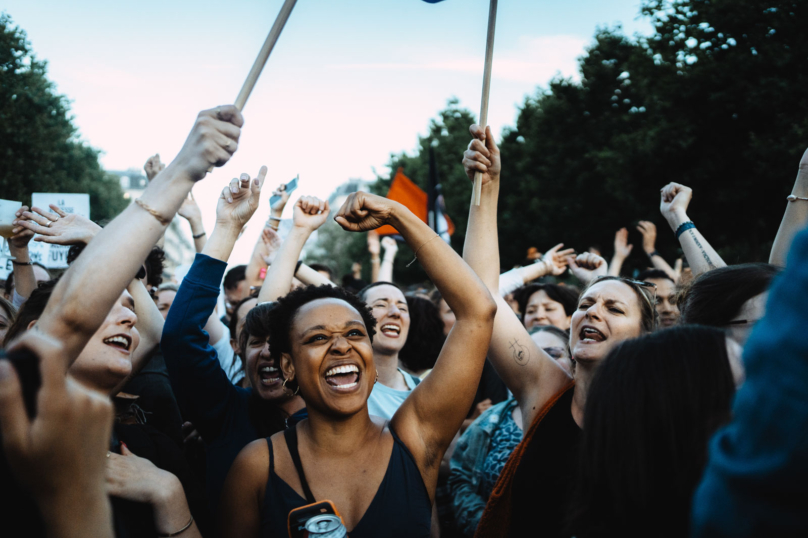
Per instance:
{"type": "Point", "coordinates": [404, 191]}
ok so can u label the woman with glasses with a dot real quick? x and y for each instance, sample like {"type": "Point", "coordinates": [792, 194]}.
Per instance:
{"type": "Point", "coordinates": [532, 489]}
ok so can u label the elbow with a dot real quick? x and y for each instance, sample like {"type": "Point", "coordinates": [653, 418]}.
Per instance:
{"type": "Point", "coordinates": [486, 308]}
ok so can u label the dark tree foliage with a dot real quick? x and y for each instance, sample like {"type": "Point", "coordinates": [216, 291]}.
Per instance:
{"type": "Point", "coordinates": [714, 99]}
{"type": "Point", "coordinates": [39, 145]}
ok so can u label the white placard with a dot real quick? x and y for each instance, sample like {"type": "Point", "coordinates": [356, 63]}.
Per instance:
{"type": "Point", "coordinates": [55, 256]}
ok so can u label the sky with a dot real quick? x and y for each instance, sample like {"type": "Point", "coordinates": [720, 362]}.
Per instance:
{"type": "Point", "coordinates": [348, 83]}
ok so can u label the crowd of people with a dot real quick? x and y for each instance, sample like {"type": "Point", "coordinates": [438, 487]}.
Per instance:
{"type": "Point", "coordinates": [560, 398]}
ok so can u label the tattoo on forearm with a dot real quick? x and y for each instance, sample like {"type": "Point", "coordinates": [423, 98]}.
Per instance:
{"type": "Point", "coordinates": [703, 252]}
{"type": "Point", "coordinates": [521, 354]}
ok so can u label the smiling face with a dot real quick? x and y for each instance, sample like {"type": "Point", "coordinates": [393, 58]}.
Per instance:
{"type": "Point", "coordinates": [608, 313]}
{"type": "Point", "coordinates": [541, 310]}
{"type": "Point", "coordinates": [666, 302]}
{"type": "Point", "coordinates": [331, 357]}
{"type": "Point", "coordinates": [106, 360]}
{"type": "Point", "coordinates": [389, 307]}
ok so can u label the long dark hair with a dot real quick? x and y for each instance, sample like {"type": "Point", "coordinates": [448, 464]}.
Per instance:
{"type": "Point", "coordinates": [31, 309]}
{"type": "Point", "coordinates": [425, 339]}
{"type": "Point", "coordinates": [650, 411]}
{"type": "Point", "coordinates": [717, 296]}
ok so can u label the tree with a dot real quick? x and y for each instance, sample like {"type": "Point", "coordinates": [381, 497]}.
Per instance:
{"type": "Point", "coordinates": [40, 146]}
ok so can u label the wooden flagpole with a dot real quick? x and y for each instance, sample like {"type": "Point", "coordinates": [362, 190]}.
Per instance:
{"type": "Point", "coordinates": [489, 57]}
{"type": "Point", "coordinates": [263, 56]}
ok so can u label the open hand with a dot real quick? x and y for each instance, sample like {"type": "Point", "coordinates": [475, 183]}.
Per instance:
{"type": "Point", "coordinates": [482, 155]}
{"type": "Point", "coordinates": [211, 142]}
{"type": "Point", "coordinates": [310, 213]}
{"type": "Point", "coordinates": [556, 259]}
{"type": "Point", "coordinates": [134, 478]}
{"type": "Point", "coordinates": [57, 227]}
{"type": "Point", "coordinates": [674, 200]}
{"type": "Point", "coordinates": [363, 211]}
{"type": "Point", "coordinates": [22, 236]}
{"type": "Point", "coordinates": [239, 200]}
{"type": "Point", "coordinates": [587, 266]}
{"type": "Point", "coordinates": [270, 244]}
{"type": "Point", "coordinates": [153, 166]}
{"type": "Point", "coordinates": [649, 233]}
{"type": "Point", "coordinates": [621, 247]}
{"type": "Point", "coordinates": [189, 210]}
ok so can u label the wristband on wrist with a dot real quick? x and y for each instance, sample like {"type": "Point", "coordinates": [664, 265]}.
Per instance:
{"type": "Point", "coordinates": [297, 267]}
{"type": "Point", "coordinates": [15, 262]}
{"type": "Point", "coordinates": [197, 236]}
{"type": "Point", "coordinates": [262, 274]}
{"type": "Point", "coordinates": [684, 227]}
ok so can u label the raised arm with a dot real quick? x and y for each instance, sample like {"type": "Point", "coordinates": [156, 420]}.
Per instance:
{"type": "Point", "coordinates": [649, 234]}
{"type": "Point", "coordinates": [197, 377]}
{"type": "Point", "coordinates": [23, 269]}
{"type": "Point", "coordinates": [374, 249]}
{"type": "Point", "coordinates": [81, 300]}
{"type": "Point", "coordinates": [189, 210]}
{"type": "Point", "coordinates": [699, 253]}
{"type": "Point", "coordinates": [621, 251]}
{"type": "Point", "coordinates": [390, 250]}
{"type": "Point", "coordinates": [554, 262]}
{"type": "Point", "coordinates": [795, 217]}
{"type": "Point", "coordinates": [310, 213]}
{"type": "Point", "coordinates": [429, 418]}
{"type": "Point", "coordinates": [524, 367]}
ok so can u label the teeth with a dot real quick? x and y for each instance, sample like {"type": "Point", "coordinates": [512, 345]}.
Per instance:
{"type": "Point", "coordinates": [391, 328]}
{"type": "Point", "coordinates": [347, 369]}
{"type": "Point", "coordinates": [118, 340]}
{"type": "Point", "coordinates": [268, 369]}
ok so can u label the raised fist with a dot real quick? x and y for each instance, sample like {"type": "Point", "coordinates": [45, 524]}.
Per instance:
{"type": "Point", "coordinates": [482, 155]}
{"type": "Point", "coordinates": [363, 211]}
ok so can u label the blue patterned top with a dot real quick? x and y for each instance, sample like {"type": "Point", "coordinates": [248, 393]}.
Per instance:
{"type": "Point", "coordinates": [505, 439]}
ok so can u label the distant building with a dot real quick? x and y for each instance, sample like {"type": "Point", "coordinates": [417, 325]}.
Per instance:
{"type": "Point", "coordinates": [179, 246]}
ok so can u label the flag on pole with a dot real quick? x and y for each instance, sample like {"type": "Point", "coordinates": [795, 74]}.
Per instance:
{"type": "Point", "coordinates": [407, 193]}
{"type": "Point", "coordinates": [438, 220]}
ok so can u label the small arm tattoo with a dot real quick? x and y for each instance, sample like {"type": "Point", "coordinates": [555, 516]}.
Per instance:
{"type": "Point", "coordinates": [703, 252]}
{"type": "Point", "coordinates": [521, 354]}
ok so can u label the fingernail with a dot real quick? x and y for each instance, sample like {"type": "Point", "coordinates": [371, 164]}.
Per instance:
{"type": "Point", "coordinates": [124, 445]}
{"type": "Point", "coordinates": [14, 222]}
{"type": "Point", "coordinates": [233, 189]}
{"type": "Point", "coordinates": [255, 181]}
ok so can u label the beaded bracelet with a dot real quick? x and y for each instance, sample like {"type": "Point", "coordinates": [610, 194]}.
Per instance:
{"type": "Point", "coordinates": [684, 227]}
{"type": "Point", "coordinates": [153, 212]}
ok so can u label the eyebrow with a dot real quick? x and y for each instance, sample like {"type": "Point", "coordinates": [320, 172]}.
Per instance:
{"type": "Point", "coordinates": [386, 299]}
{"type": "Point", "coordinates": [351, 323]}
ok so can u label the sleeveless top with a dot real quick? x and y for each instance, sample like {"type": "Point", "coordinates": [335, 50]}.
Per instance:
{"type": "Point", "coordinates": [400, 509]}
{"type": "Point", "coordinates": [532, 493]}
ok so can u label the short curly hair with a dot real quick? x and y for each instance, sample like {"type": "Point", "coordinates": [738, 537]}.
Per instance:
{"type": "Point", "coordinates": [279, 319]}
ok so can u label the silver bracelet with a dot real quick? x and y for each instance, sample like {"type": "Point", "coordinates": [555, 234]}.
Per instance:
{"type": "Point", "coordinates": [792, 198]}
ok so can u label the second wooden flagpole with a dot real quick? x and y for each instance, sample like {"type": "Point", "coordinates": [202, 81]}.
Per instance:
{"type": "Point", "coordinates": [489, 57]}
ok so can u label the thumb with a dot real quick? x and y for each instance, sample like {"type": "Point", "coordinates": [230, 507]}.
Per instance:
{"type": "Point", "coordinates": [125, 450]}
{"type": "Point", "coordinates": [258, 182]}
{"type": "Point", "coordinates": [14, 423]}
{"type": "Point", "coordinates": [571, 262]}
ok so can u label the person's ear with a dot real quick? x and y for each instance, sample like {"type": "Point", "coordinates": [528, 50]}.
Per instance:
{"type": "Point", "coordinates": [31, 325]}
{"type": "Point", "coordinates": [287, 368]}
{"type": "Point", "coordinates": [234, 345]}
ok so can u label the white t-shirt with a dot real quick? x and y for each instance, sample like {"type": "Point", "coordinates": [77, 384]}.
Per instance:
{"type": "Point", "coordinates": [384, 401]}
{"type": "Point", "coordinates": [231, 363]}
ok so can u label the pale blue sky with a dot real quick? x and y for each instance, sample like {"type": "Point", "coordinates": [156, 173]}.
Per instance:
{"type": "Point", "coordinates": [348, 83]}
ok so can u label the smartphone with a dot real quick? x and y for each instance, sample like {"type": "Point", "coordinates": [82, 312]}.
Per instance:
{"type": "Point", "coordinates": [290, 187]}
{"type": "Point", "coordinates": [299, 516]}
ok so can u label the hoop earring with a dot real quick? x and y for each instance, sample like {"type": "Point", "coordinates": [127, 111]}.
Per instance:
{"type": "Point", "coordinates": [283, 386]}
{"type": "Point", "coordinates": [377, 377]}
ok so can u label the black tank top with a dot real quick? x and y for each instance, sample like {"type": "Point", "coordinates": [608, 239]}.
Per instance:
{"type": "Point", "coordinates": [542, 482]}
{"type": "Point", "coordinates": [400, 508]}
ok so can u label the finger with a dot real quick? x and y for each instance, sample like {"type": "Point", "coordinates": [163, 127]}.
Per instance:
{"type": "Point", "coordinates": [125, 450]}
{"type": "Point", "coordinates": [36, 217]}
{"type": "Point", "coordinates": [346, 224]}
{"type": "Point", "coordinates": [14, 423]}
{"type": "Point", "coordinates": [234, 187]}
{"type": "Point", "coordinates": [227, 195]}
{"type": "Point", "coordinates": [258, 182]}
{"type": "Point", "coordinates": [244, 181]}
{"type": "Point", "coordinates": [326, 208]}
{"type": "Point", "coordinates": [20, 211]}
{"type": "Point", "coordinates": [226, 113]}
{"type": "Point", "coordinates": [563, 254]}
{"type": "Point", "coordinates": [554, 250]}
{"type": "Point", "coordinates": [56, 209]}
{"type": "Point", "coordinates": [477, 131]}
{"type": "Point", "coordinates": [489, 141]}
{"type": "Point", "coordinates": [471, 164]}
{"type": "Point", "coordinates": [479, 147]}
{"type": "Point", "coordinates": [53, 217]}
{"type": "Point", "coordinates": [226, 143]}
